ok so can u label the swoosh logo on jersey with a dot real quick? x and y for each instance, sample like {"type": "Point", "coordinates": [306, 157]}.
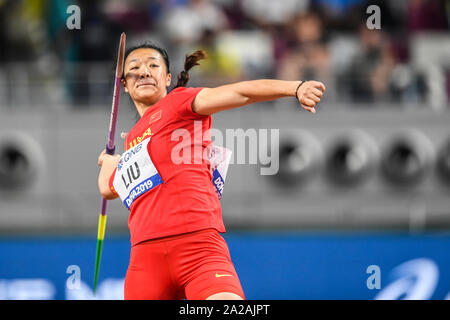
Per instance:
{"type": "Point", "coordinates": [223, 275]}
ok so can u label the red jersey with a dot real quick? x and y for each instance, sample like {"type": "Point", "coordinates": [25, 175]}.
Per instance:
{"type": "Point", "coordinates": [186, 201]}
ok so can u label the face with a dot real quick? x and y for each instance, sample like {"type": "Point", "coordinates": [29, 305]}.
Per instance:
{"type": "Point", "coordinates": [146, 77]}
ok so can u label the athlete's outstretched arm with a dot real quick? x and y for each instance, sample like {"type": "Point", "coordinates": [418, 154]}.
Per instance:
{"type": "Point", "coordinates": [212, 100]}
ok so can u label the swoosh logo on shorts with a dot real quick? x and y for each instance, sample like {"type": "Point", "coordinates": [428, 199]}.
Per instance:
{"type": "Point", "coordinates": [223, 275]}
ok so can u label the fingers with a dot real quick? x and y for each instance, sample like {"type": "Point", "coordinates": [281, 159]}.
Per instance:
{"type": "Point", "coordinates": [314, 98]}
{"type": "Point", "coordinates": [318, 85]}
{"type": "Point", "coordinates": [106, 158]}
{"type": "Point", "coordinates": [100, 158]}
{"type": "Point", "coordinates": [310, 95]}
{"type": "Point", "coordinates": [314, 94]}
{"type": "Point", "coordinates": [308, 102]}
{"type": "Point", "coordinates": [309, 109]}
{"type": "Point", "coordinates": [317, 92]}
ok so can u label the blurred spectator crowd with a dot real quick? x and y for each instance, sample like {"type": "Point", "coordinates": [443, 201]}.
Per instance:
{"type": "Point", "coordinates": [406, 61]}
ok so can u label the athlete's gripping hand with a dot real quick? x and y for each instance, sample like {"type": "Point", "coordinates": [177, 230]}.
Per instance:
{"type": "Point", "coordinates": [309, 94]}
{"type": "Point", "coordinates": [111, 160]}
{"type": "Point", "coordinates": [107, 165]}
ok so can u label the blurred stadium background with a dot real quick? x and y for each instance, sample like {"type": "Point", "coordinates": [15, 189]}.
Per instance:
{"type": "Point", "coordinates": [362, 184]}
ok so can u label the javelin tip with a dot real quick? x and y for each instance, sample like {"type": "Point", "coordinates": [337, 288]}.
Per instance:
{"type": "Point", "coordinates": [120, 55]}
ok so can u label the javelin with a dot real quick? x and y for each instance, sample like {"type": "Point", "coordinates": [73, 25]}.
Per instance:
{"type": "Point", "coordinates": [110, 149]}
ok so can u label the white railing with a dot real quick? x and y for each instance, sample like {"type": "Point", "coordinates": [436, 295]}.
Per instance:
{"type": "Point", "coordinates": [90, 85]}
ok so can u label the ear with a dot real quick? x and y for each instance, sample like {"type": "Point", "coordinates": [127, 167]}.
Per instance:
{"type": "Point", "coordinates": [124, 83]}
{"type": "Point", "coordinates": [168, 79]}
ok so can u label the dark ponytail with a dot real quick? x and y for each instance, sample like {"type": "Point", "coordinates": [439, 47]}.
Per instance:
{"type": "Point", "coordinates": [191, 61]}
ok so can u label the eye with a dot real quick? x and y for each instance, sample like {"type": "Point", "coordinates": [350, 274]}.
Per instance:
{"type": "Point", "coordinates": [153, 65]}
{"type": "Point", "coordinates": [133, 68]}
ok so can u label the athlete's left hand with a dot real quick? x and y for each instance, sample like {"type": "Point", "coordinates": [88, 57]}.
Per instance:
{"type": "Point", "coordinates": [309, 94]}
{"type": "Point", "coordinates": [104, 157]}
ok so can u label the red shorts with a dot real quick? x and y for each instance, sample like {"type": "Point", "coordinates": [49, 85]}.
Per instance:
{"type": "Point", "coordinates": [190, 266]}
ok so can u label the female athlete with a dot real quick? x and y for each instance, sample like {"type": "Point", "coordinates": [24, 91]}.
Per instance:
{"type": "Point", "coordinates": [175, 218]}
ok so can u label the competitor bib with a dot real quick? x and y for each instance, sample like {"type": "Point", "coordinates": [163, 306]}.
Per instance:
{"type": "Point", "coordinates": [219, 159]}
{"type": "Point", "coordinates": [136, 174]}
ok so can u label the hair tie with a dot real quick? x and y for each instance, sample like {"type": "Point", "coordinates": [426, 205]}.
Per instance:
{"type": "Point", "coordinates": [296, 91]}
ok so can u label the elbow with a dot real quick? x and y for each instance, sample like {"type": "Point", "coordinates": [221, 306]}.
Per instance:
{"type": "Point", "coordinates": [105, 192]}
{"type": "Point", "coordinates": [108, 195]}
